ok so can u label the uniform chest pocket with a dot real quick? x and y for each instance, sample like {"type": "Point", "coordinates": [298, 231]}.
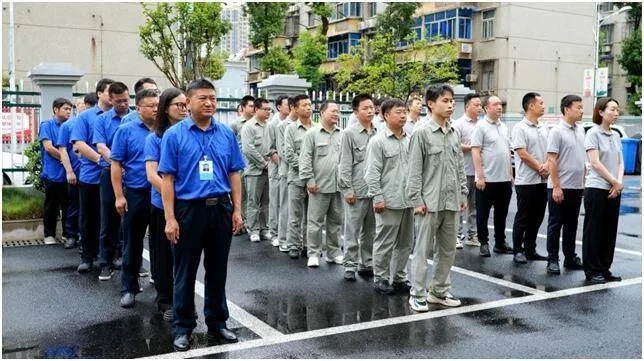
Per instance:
{"type": "Point", "coordinates": [259, 137]}
{"type": "Point", "coordinates": [322, 149]}
{"type": "Point", "coordinates": [297, 144]}
{"type": "Point", "coordinates": [391, 152]}
{"type": "Point", "coordinates": [359, 153]}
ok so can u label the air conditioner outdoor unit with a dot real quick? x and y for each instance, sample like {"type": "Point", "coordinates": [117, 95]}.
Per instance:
{"type": "Point", "coordinates": [606, 49]}
{"type": "Point", "coordinates": [471, 78]}
{"type": "Point", "coordinates": [466, 48]}
{"type": "Point", "coordinates": [289, 42]}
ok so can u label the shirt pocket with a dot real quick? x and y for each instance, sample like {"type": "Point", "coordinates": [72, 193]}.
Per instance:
{"type": "Point", "coordinates": [322, 149]}
{"type": "Point", "coordinates": [391, 152]}
{"type": "Point", "coordinates": [359, 154]}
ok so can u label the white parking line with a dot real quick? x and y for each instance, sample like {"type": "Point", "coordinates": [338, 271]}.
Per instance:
{"type": "Point", "coordinates": [392, 321]}
{"type": "Point", "coordinates": [621, 250]}
{"type": "Point", "coordinates": [249, 321]}
{"type": "Point", "coordinates": [498, 281]}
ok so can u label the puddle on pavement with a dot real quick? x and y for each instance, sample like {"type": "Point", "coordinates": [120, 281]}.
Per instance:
{"type": "Point", "coordinates": [523, 281]}
{"type": "Point", "coordinates": [501, 321]}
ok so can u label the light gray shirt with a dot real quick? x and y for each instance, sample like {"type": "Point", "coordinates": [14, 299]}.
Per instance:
{"type": "Point", "coordinates": [293, 136]}
{"type": "Point", "coordinates": [410, 125]}
{"type": "Point", "coordinates": [236, 126]}
{"type": "Point", "coordinates": [353, 151]}
{"type": "Point", "coordinates": [609, 146]}
{"type": "Point", "coordinates": [255, 146]}
{"type": "Point", "coordinates": [534, 139]}
{"type": "Point", "coordinates": [387, 168]}
{"type": "Point", "coordinates": [283, 167]}
{"type": "Point", "coordinates": [568, 143]}
{"type": "Point", "coordinates": [273, 169]}
{"type": "Point", "coordinates": [436, 176]}
{"type": "Point", "coordinates": [319, 158]}
{"type": "Point", "coordinates": [493, 139]}
{"type": "Point", "coordinates": [464, 126]}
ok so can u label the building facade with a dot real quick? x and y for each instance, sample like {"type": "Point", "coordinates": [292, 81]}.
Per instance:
{"type": "Point", "coordinates": [236, 40]}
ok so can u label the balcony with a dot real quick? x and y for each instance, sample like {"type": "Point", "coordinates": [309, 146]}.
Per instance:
{"type": "Point", "coordinates": [256, 76]}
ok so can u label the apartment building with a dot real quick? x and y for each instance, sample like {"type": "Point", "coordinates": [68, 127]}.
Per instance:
{"type": "Point", "coordinates": [236, 40]}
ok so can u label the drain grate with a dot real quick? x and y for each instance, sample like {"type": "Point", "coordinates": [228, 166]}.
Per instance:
{"type": "Point", "coordinates": [33, 242]}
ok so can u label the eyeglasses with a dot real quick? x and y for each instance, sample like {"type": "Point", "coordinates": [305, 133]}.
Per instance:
{"type": "Point", "coordinates": [180, 106]}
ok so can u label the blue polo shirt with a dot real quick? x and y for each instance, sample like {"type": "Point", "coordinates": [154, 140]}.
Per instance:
{"type": "Point", "coordinates": [104, 130]}
{"type": "Point", "coordinates": [132, 115]}
{"type": "Point", "coordinates": [52, 168]}
{"type": "Point", "coordinates": [63, 141]}
{"type": "Point", "coordinates": [127, 148]}
{"type": "Point", "coordinates": [184, 145]}
{"type": "Point", "coordinates": [90, 172]}
{"type": "Point", "coordinates": [152, 152]}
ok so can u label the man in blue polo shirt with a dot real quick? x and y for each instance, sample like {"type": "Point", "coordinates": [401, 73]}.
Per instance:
{"type": "Point", "coordinates": [90, 174]}
{"type": "Point", "coordinates": [133, 202]}
{"type": "Point", "coordinates": [104, 130]}
{"type": "Point", "coordinates": [53, 173]}
{"type": "Point", "coordinates": [200, 164]}
{"type": "Point", "coordinates": [143, 83]}
{"type": "Point", "coordinates": [71, 163]}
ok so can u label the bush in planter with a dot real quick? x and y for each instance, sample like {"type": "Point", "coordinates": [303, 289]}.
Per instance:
{"type": "Point", "coordinates": [17, 203]}
{"type": "Point", "coordinates": [34, 166]}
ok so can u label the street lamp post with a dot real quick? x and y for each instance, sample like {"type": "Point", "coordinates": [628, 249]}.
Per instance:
{"type": "Point", "coordinates": [598, 23]}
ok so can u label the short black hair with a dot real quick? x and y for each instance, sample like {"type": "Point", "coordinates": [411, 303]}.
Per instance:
{"type": "Point", "coordinates": [469, 96]}
{"type": "Point", "coordinates": [163, 120]}
{"type": "Point", "coordinates": [435, 91]}
{"type": "Point", "coordinates": [59, 102]}
{"type": "Point", "coordinates": [245, 99]}
{"type": "Point", "coordinates": [566, 102]}
{"type": "Point", "coordinates": [117, 88]}
{"type": "Point", "coordinates": [389, 104]}
{"type": "Point", "coordinates": [199, 84]}
{"type": "Point", "coordinates": [103, 84]}
{"type": "Point", "coordinates": [279, 100]}
{"type": "Point", "coordinates": [90, 99]}
{"type": "Point", "coordinates": [355, 103]}
{"type": "Point", "coordinates": [291, 102]}
{"type": "Point", "coordinates": [325, 104]}
{"type": "Point", "coordinates": [139, 83]}
{"type": "Point", "coordinates": [298, 98]}
{"type": "Point", "coordinates": [259, 101]}
{"type": "Point", "coordinates": [145, 93]}
{"type": "Point", "coordinates": [378, 102]}
{"type": "Point", "coordinates": [528, 99]}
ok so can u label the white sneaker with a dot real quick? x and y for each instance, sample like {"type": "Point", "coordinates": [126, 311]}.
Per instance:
{"type": "Point", "coordinates": [50, 240]}
{"type": "Point", "coordinates": [418, 304]}
{"type": "Point", "coordinates": [338, 260]}
{"type": "Point", "coordinates": [459, 243]}
{"type": "Point", "coordinates": [275, 242]}
{"type": "Point", "coordinates": [474, 242]}
{"type": "Point", "coordinates": [313, 262]}
{"type": "Point", "coordinates": [254, 237]}
{"type": "Point", "coordinates": [266, 235]}
{"type": "Point", "coordinates": [447, 300]}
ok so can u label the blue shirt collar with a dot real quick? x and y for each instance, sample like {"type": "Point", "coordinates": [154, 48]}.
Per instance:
{"type": "Point", "coordinates": [191, 124]}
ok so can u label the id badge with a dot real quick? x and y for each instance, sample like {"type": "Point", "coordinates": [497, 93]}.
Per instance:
{"type": "Point", "coordinates": [205, 170]}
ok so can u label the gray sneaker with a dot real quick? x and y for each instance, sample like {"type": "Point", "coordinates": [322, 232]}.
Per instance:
{"type": "Point", "coordinates": [446, 300]}
{"type": "Point", "coordinates": [418, 304]}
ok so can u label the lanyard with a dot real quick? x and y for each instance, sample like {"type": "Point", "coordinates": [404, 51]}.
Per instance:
{"type": "Point", "coordinates": [201, 143]}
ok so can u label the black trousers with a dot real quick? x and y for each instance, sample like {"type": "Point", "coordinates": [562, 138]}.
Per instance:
{"type": "Point", "coordinates": [563, 215]}
{"type": "Point", "coordinates": [111, 234]}
{"type": "Point", "coordinates": [497, 195]}
{"type": "Point", "coordinates": [72, 224]}
{"type": "Point", "coordinates": [135, 222]}
{"type": "Point", "coordinates": [160, 258]}
{"type": "Point", "coordinates": [531, 207]}
{"type": "Point", "coordinates": [55, 203]}
{"type": "Point", "coordinates": [90, 218]}
{"type": "Point", "coordinates": [208, 228]}
{"type": "Point", "coordinates": [600, 231]}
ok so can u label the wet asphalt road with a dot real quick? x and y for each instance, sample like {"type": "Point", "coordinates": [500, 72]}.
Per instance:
{"type": "Point", "coordinates": [282, 309]}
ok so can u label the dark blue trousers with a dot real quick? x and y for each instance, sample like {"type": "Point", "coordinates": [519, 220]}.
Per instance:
{"type": "Point", "coordinates": [71, 226]}
{"type": "Point", "coordinates": [208, 228]}
{"type": "Point", "coordinates": [135, 221]}
{"type": "Point", "coordinates": [110, 221]}
{"type": "Point", "coordinates": [55, 201]}
{"type": "Point", "coordinates": [160, 258]}
{"type": "Point", "coordinates": [89, 201]}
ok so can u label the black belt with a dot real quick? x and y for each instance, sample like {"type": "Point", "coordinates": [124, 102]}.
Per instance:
{"type": "Point", "coordinates": [209, 202]}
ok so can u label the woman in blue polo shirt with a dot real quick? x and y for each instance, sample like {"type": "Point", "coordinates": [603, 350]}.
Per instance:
{"type": "Point", "coordinates": [172, 109]}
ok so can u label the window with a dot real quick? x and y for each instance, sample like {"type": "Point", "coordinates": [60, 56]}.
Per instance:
{"type": "Point", "coordinates": [449, 24]}
{"type": "Point", "coordinates": [418, 28]}
{"type": "Point", "coordinates": [606, 7]}
{"type": "Point", "coordinates": [487, 71]}
{"type": "Point", "coordinates": [341, 44]}
{"type": "Point", "coordinates": [465, 28]}
{"type": "Point", "coordinates": [371, 9]}
{"type": "Point", "coordinates": [253, 63]}
{"type": "Point", "coordinates": [488, 24]}
{"type": "Point", "coordinates": [311, 21]}
{"type": "Point", "coordinates": [343, 10]}
{"type": "Point", "coordinates": [606, 32]}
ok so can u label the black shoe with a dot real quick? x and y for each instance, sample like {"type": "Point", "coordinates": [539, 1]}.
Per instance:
{"type": "Point", "coordinates": [106, 273]}
{"type": "Point", "coordinates": [71, 243]}
{"type": "Point", "coordinates": [127, 300]}
{"type": "Point", "coordinates": [294, 253]}
{"type": "Point", "coordinates": [520, 258]}
{"type": "Point", "coordinates": [85, 267]}
{"type": "Point", "coordinates": [366, 271]}
{"type": "Point", "coordinates": [609, 277]}
{"type": "Point", "coordinates": [181, 342]}
{"type": "Point", "coordinates": [118, 262]}
{"type": "Point", "coordinates": [403, 287]}
{"type": "Point", "coordinates": [349, 275]}
{"type": "Point", "coordinates": [553, 267]}
{"type": "Point", "coordinates": [383, 287]}
{"type": "Point", "coordinates": [503, 249]}
{"type": "Point", "coordinates": [595, 279]}
{"type": "Point", "coordinates": [303, 252]}
{"type": "Point", "coordinates": [535, 257]}
{"type": "Point", "coordinates": [222, 334]}
{"type": "Point", "coordinates": [574, 264]}
{"type": "Point", "coordinates": [484, 251]}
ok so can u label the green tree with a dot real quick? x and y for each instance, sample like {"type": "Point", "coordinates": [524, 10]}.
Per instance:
{"type": "Point", "coordinates": [397, 19]}
{"type": "Point", "coordinates": [34, 166]}
{"type": "Point", "coordinates": [324, 11]}
{"type": "Point", "coordinates": [308, 54]}
{"type": "Point", "coordinates": [630, 58]}
{"type": "Point", "coordinates": [266, 22]}
{"type": "Point", "coordinates": [181, 39]}
{"type": "Point", "coordinates": [377, 66]}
